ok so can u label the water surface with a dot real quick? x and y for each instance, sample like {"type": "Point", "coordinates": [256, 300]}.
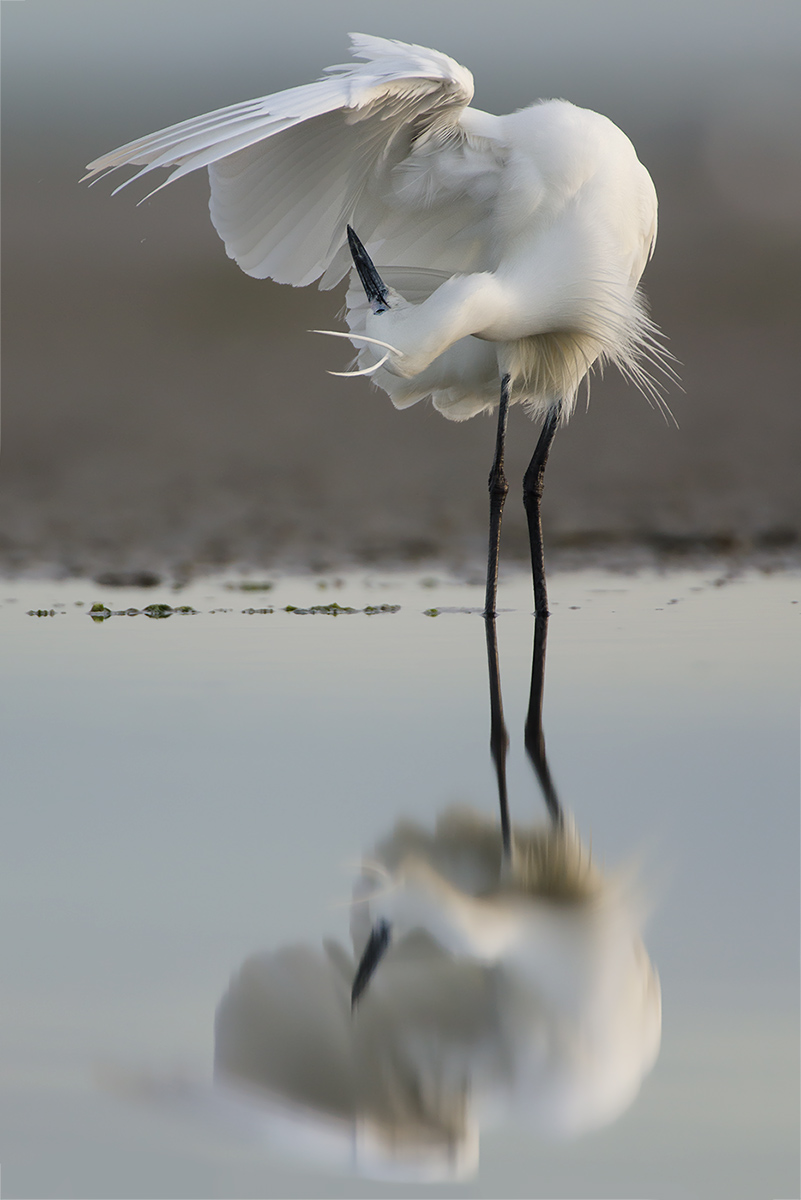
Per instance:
{"type": "Point", "coordinates": [182, 792]}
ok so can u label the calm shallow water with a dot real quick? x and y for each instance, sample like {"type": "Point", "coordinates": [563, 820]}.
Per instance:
{"type": "Point", "coordinates": [180, 793]}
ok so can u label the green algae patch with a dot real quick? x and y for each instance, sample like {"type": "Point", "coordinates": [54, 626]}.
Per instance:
{"type": "Point", "coordinates": [339, 610]}
{"type": "Point", "coordinates": [332, 610]}
{"type": "Point", "coordinates": [250, 587]}
{"type": "Point", "coordinates": [158, 612]}
{"type": "Point", "coordinates": [99, 612]}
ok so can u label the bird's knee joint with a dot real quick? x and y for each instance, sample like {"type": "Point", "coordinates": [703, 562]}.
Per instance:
{"type": "Point", "coordinates": [498, 485]}
{"type": "Point", "coordinates": [532, 494]}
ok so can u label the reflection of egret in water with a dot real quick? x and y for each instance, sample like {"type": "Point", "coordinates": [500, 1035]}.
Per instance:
{"type": "Point", "coordinates": [500, 975]}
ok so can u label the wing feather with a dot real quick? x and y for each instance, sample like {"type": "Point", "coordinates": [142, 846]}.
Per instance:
{"type": "Point", "coordinates": [289, 171]}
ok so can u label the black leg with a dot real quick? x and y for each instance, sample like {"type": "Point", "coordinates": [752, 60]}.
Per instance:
{"type": "Point", "coordinates": [498, 487]}
{"type": "Point", "coordinates": [499, 738]}
{"type": "Point", "coordinates": [532, 496]}
{"type": "Point", "coordinates": [535, 739]}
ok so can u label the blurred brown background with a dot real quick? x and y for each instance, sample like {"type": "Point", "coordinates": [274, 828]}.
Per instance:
{"type": "Point", "coordinates": [164, 412]}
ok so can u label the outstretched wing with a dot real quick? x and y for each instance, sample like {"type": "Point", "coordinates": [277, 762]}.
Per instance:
{"type": "Point", "coordinates": [387, 145]}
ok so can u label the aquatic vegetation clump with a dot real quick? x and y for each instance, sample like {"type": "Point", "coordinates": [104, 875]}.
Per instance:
{"type": "Point", "coordinates": [248, 586]}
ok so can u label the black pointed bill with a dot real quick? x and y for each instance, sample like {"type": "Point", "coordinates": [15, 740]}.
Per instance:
{"type": "Point", "coordinates": [373, 284]}
{"type": "Point", "coordinates": [374, 951]}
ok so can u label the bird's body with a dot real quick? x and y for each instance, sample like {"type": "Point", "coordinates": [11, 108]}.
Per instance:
{"type": "Point", "coordinates": [555, 268]}
{"type": "Point", "coordinates": [514, 244]}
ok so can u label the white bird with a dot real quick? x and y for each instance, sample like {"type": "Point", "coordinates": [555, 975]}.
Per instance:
{"type": "Point", "coordinates": [509, 247]}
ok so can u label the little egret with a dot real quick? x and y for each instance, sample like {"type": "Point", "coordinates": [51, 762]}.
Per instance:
{"type": "Point", "coordinates": [510, 248]}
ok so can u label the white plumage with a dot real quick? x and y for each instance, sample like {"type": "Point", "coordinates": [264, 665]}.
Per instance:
{"type": "Point", "coordinates": [514, 244]}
